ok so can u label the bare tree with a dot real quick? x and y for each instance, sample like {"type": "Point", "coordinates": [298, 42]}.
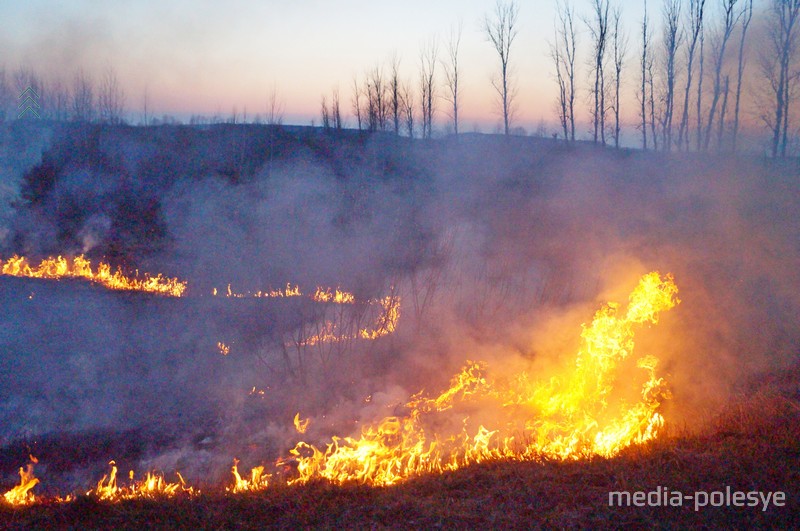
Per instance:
{"type": "Point", "coordinates": [394, 92]}
{"type": "Point", "coordinates": [428, 60]}
{"type": "Point", "coordinates": [110, 98]}
{"type": "Point", "coordinates": [696, 8]}
{"type": "Point", "coordinates": [652, 103]}
{"type": "Point", "coordinates": [719, 58]}
{"type": "Point", "coordinates": [407, 106]}
{"type": "Point", "coordinates": [274, 114]}
{"type": "Point", "coordinates": [451, 73]}
{"type": "Point", "coordinates": [336, 111]}
{"type": "Point", "coordinates": [700, 77]}
{"type": "Point", "coordinates": [672, 41]}
{"type": "Point", "coordinates": [598, 26]}
{"type": "Point", "coordinates": [620, 48]}
{"type": "Point", "coordinates": [325, 114]}
{"type": "Point", "coordinates": [746, 16]}
{"type": "Point", "coordinates": [501, 30]}
{"type": "Point", "coordinates": [646, 65]}
{"type": "Point", "coordinates": [82, 98]}
{"type": "Point", "coordinates": [561, 80]}
{"type": "Point", "coordinates": [776, 67]}
{"type": "Point", "coordinates": [562, 51]}
{"type": "Point", "coordinates": [377, 100]}
{"type": "Point", "coordinates": [723, 109]}
{"type": "Point", "coordinates": [356, 103]}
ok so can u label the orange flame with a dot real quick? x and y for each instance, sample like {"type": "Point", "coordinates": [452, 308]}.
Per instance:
{"type": "Point", "coordinates": [21, 494]}
{"type": "Point", "coordinates": [152, 486]}
{"type": "Point", "coordinates": [80, 267]}
{"type": "Point", "coordinates": [300, 425]}
{"type": "Point", "coordinates": [258, 480]}
{"type": "Point", "coordinates": [568, 417]}
{"type": "Point", "coordinates": [337, 296]}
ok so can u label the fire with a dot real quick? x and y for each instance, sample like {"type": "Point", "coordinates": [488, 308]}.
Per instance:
{"type": "Point", "coordinates": [385, 324]}
{"type": "Point", "coordinates": [567, 417]}
{"type": "Point", "coordinates": [258, 480]}
{"type": "Point", "coordinates": [288, 291]}
{"type": "Point", "coordinates": [21, 494]}
{"type": "Point", "coordinates": [80, 267]}
{"type": "Point", "coordinates": [575, 413]}
{"type": "Point", "coordinates": [153, 485]}
{"type": "Point", "coordinates": [337, 296]}
{"type": "Point", "coordinates": [300, 425]}
{"type": "Point", "coordinates": [387, 320]}
{"type": "Point", "coordinates": [223, 348]}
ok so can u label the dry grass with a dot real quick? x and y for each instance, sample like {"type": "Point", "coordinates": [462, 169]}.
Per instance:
{"type": "Point", "coordinates": [753, 445]}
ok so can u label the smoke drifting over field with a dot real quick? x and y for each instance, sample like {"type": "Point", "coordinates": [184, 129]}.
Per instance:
{"type": "Point", "coordinates": [499, 249]}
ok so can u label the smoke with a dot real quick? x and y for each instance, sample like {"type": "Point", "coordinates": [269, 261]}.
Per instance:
{"type": "Point", "coordinates": [499, 249]}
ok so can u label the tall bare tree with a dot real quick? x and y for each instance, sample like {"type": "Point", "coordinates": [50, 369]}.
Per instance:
{"type": "Point", "coordinates": [722, 111]}
{"type": "Point", "coordinates": [619, 43]}
{"type": "Point", "coordinates": [452, 72]}
{"type": "Point", "coordinates": [83, 103]}
{"type": "Point", "coordinates": [651, 100]}
{"type": "Point", "coordinates": [672, 41]}
{"type": "Point", "coordinates": [646, 65]}
{"type": "Point", "coordinates": [777, 69]}
{"type": "Point", "coordinates": [394, 93]}
{"type": "Point", "coordinates": [746, 17]}
{"type": "Point", "coordinates": [407, 108]}
{"type": "Point", "coordinates": [719, 58]}
{"type": "Point", "coordinates": [325, 114]}
{"type": "Point", "coordinates": [377, 100]}
{"type": "Point", "coordinates": [356, 103]}
{"type": "Point", "coordinates": [562, 51]}
{"type": "Point", "coordinates": [598, 27]}
{"type": "Point", "coordinates": [336, 111]}
{"type": "Point", "coordinates": [428, 59]}
{"type": "Point", "coordinates": [110, 98]}
{"type": "Point", "coordinates": [700, 78]}
{"type": "Point", "coordinates": [695, 25]}
{"type": "Point", "coordinates": [501, 30]}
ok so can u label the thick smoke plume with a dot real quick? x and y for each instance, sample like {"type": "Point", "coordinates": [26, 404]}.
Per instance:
{"type": "Point", "coordinates": [498, 249]}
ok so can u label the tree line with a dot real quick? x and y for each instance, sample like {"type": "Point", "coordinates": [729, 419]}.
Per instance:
{"type": "Point", "coordinates": [690, 71]}
{"type": "Point", "coordinates": [690, 75]}
{"type": "Point", "coordinates": [82, 99]}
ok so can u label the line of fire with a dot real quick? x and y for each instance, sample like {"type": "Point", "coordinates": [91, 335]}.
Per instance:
{"type": "Point", "coordinates": [583, 408]}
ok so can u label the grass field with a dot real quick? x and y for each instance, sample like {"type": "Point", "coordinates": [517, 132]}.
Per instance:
{"type": "Point", "coordinates": [754, 445]}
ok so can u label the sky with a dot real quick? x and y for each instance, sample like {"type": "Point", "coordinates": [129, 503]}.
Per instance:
{"type": "Point", "coordinates": [209, 57]}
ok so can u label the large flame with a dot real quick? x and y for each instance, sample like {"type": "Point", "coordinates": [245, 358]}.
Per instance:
{"type": "Point", "coordinates": [569, 416]}
{"type": "Point", "coordinates": [80, 267]}
{"type": "Point", "coordinates": [21, 494]}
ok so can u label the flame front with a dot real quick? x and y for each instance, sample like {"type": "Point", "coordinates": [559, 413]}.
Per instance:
{"type": "Point", "coordinates": [80, 267]}
{"type": "Point", "coordinates": [569, 416]}
{"type": "Point", "coordinates": [152, 486]}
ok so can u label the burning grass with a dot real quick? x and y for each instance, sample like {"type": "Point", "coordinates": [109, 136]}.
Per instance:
{"type": "Point", "coordinates": [80, 267]}
{"type": "Point", "coordinates": [556, 466]}
{"type": "Point", "coordinates": [735, 449]}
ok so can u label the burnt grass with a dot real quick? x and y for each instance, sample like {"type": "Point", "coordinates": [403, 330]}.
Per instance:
{"type": "Point", "coordinates": [753, 445]}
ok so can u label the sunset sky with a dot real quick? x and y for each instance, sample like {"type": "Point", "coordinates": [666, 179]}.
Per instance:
{"type": "Point", "coordinates": [207, 57]}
